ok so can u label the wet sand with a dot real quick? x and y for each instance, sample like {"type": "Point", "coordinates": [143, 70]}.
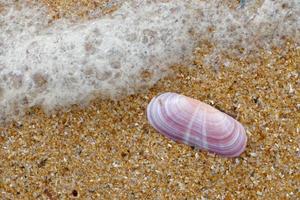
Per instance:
{"type": "Point", "coordinates": [107, 150]}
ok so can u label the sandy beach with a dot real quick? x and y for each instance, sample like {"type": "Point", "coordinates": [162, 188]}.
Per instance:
{"type": "Point", "coordinates": [108, 150]}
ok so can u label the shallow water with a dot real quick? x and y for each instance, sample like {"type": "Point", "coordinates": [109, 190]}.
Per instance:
{"type": "Point", "coordinates": [63, 63]}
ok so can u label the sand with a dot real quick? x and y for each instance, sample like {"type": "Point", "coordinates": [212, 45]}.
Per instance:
{"type": "Point", "coordinates": [108, 150]}
{"type": "Point", "coordinates": [80, 9]}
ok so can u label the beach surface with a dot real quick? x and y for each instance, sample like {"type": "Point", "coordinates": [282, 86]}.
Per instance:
{"type": "Point", "coordinates": [108, 150]}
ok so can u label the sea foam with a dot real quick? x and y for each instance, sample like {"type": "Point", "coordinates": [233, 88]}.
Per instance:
{"type": "Point", "coordinates": [65, 63]}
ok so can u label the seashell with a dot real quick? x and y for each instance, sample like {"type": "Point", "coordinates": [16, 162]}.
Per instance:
{"type": "Point", "coordinates": [197, 124]}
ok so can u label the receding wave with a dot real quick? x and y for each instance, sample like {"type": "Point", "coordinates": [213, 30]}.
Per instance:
{"type": "Point", "coordinates": [66, 62]}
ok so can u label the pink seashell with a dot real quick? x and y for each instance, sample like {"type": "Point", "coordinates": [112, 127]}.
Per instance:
{"type": "Point", "coordinates": [197, 124]}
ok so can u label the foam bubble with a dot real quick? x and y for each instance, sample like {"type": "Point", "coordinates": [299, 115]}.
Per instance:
{"type": "Point", "coordinates": [69, 63]}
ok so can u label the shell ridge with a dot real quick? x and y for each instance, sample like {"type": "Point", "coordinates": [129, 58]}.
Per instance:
{"type": "Point", "coordinates": [187, 134]}
{"type": "Point", "coordinates": [164, 118]}
{"type": "Point", "coordinates": [229, 141]}
{"type": "Point", "coordinates": [227, 131]}
{"type": "Point", "coordinates": [203, 130]}
{"type": "Point", "coordinates": [175, 120]}
{"type": "Point", "coordinates": [238, 146]}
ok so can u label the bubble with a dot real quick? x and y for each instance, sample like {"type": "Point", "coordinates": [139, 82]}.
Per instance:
{"type": "Point", "coordinates": [89, 48]}
{"type": "Point", "coordinates": [131, 37]}
{"type": "Point", "coordinates": [117, 75]}
{"type": "Point", "coordinates": [1, 93]}
{"type": "Point", "coordinates": [39, 79]}
{"type": "Point", "coordinates": [104, 75]}
{"type": "Point", "coordinates": [149, 36]}
{"type": "Point", "coordinates": [116, 64]}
